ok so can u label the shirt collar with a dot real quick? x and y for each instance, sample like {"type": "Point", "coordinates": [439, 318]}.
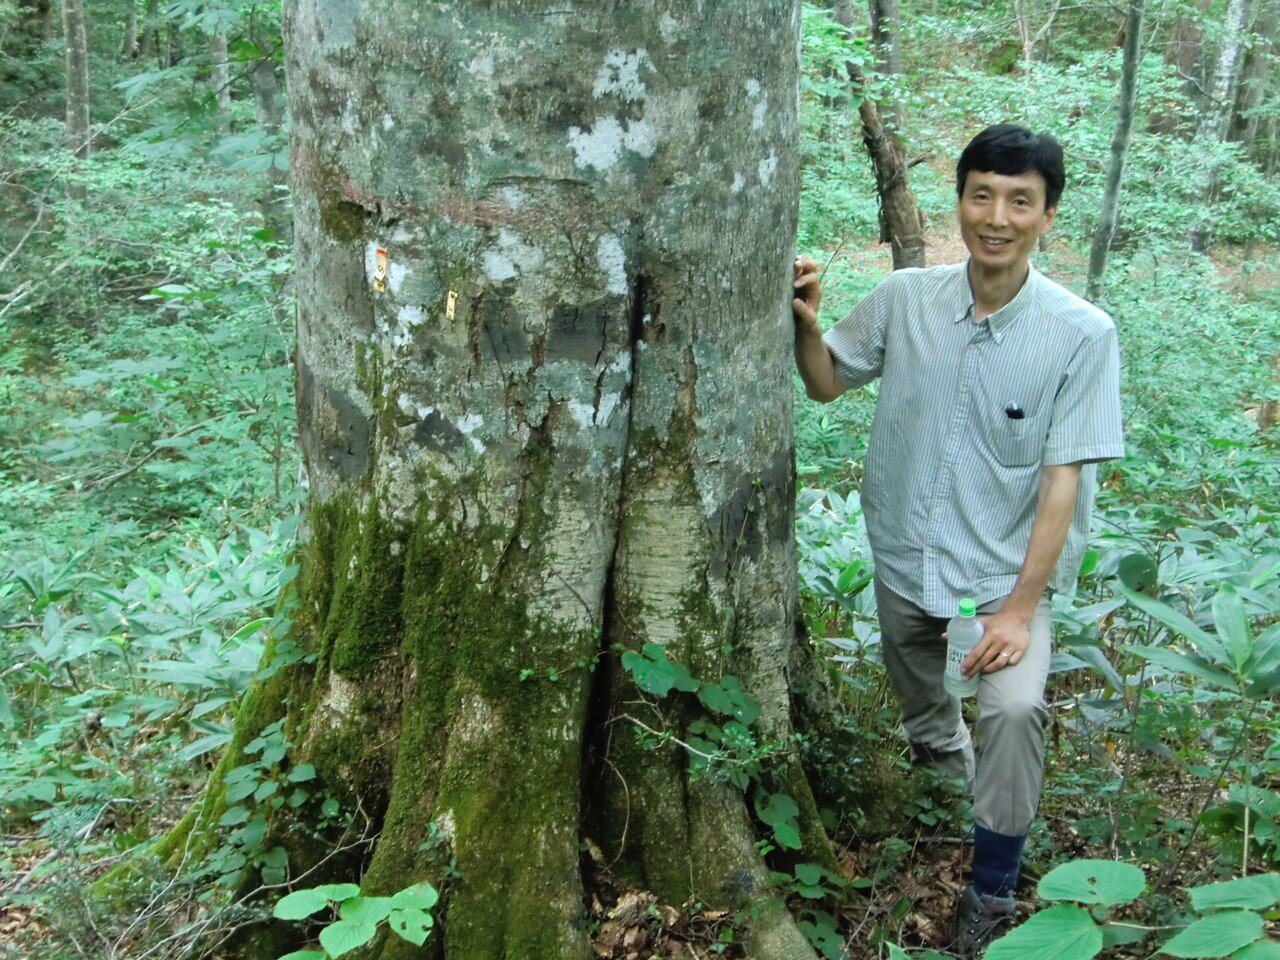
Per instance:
{"type": "Point", "coordinates": [999, 321]}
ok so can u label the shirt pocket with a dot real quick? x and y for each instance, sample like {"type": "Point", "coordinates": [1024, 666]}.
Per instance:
{"type": "Point", "coordinates": [1016, 443]}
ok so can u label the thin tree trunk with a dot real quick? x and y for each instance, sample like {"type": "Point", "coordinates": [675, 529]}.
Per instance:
{"type": "Point", "coordinates": [884, 35]}
{"type": "Point", "coordinates": [129, 44]}
{"type": "Point", "coordinates": [220, 71]}
{"type": "Point", "coordinates": [1215, 120]}
{"type": "Point", "coordinates": [901, 223]}
{"type": "Point", "coordinates": [147, 44]}
{"type": "Point", "coordinates": [266, 99]}
{"type": "Point", "coordinates": [77, 62]}
{"type": "Point", "coordinates": [1119, 148]}
{"type": "Point", "coordinates": [544, 400]}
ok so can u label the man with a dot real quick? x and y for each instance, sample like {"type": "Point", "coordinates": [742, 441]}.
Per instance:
{"type": "Point", "coordinates": [999, 392]}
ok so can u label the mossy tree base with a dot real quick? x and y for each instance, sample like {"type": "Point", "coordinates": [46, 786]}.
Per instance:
{"type": "Point", "coordinates": [544, 392]}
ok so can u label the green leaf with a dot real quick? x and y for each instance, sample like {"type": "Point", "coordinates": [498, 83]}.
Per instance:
{"type": "Point", "coordinates": [1182, 663]}
{"type": "Point", "coordinates": [853, 579]}
{"type": "Point", "coordinates": [345, 935]}
{"type": "Point", "coordinates": [1103, 882]}
{"type": "Point", "coordinates": [1259, 950]}
{"type": "Point", "coordinates": [6, 711]}
{"type": "Point", "coordinates": [306, 955]}
{"type": "Point", "coordinates": [1216, 935]}
{"type": "Point", "coordinates": [729, 698]}
{"type": "Point", "coordinates": [1088, 563]}
{"type": "Point", "coordinates": [420, 896]}
{"type": "Point", "coordinates": [1138, 572]}
{"type": "Point", "coordinates": [301, 773]}
{"type": "Point", "coordinates": [1261, 892]}
{"type": "Point", "coordinates": [300, 904]}
{"type": "Point", "coordinates": [411, 924]}
{"type": "Point", "coordinates": [1232, 624]}
{"type": "Point", "coordinates": [339, 891]}
{"type": "Point", "coordinates": [1180, 624]}
{"type": "Point", "coordinates": [655, 674]}
{"type": "Point", "coordinates": [1059, 933]}
{"type": "Point", "coordinates": [779, 812]}
{"type": "Point", "coordinates": [362, 910]}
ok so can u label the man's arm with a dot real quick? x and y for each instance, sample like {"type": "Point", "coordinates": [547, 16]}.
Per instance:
{"type": "Point", "coordinates": [1007, 632]}
{"type": "Point", "coordinates": [813, 359]}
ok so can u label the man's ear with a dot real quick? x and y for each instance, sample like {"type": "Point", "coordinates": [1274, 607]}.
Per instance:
{"type": "Point", "coordinates": [1049, 214]}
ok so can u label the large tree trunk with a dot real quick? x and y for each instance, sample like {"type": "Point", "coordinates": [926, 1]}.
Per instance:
{"type": "Point", "coordinates": [1119, 149]}
{"type": "Point", "coordinates": [544, 382]}
{"type": "Point", "coordinates": [1216, 118]}
{"type": "Point", "coordinates": [1255, 74]}
{"type": "Point", "coordinates": [901, 223]}
{"type": "Point", "coordinates": [77, 61]}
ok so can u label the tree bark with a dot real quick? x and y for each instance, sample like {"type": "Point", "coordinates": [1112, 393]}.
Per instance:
{"type": "Point", "coordinates": [77, 62]}
{"type": "Point", "coordinates": [1255, 74]}
{"type": "Point", "coordinates": [884, 35]}
{"type": "Point", "coordinates": [1119, 149]}
{"type": "Point", "coordinates": [901, 223]}
{"type": "Point", "coordinates": [1215, 119]}
{"type": "Point", "coordinates": [544, 397]}
{"type": "Point", "coordinates": [147, 44]}
{"type": "Point", "coordinates": [266, 100]}
{"type": "Point", "coordinates": [129, 42]}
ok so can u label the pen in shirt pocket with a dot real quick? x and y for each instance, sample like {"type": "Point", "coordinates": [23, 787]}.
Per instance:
{"type": "Point", "coordinates": [1013, 411]}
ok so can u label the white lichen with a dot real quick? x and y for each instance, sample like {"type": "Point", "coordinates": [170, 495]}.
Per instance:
{"type": "Point", "coordinates": [739, 181]}
{"type": "Point", "coordinates": [766, 168]}
{"type": "Point", "coordinates": [602, 145]}
{"type": "Point", "coordinates": [620, 75]}
{"type": "Point", "coordinates": [612, 260]}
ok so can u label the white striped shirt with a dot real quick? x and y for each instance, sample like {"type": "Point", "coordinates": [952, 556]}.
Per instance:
{"type": "Point", "coordinates": [951, 477]}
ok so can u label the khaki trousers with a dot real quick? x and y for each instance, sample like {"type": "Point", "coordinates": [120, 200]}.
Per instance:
{"type": "Point", "coordinates": [1011, 712]}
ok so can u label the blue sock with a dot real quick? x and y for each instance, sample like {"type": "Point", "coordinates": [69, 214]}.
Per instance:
{"type": "Point", "coordinates": [997, 860]}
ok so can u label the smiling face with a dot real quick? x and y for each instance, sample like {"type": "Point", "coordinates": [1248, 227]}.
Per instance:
{"type": "Point", "coordinates": [1002, 217]}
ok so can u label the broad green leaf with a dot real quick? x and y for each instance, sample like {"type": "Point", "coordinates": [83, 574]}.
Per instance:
{"type": "Point", "coordinates": [654, 673]}
{"type": "Point", "coordinates": [729, 698]}
{"type": "Point", "coordinates": [1062, 932]}
{"type": "Point", "coordinates": [779, 811]}
{"type": "Point", "coordinates": [1120, 934]}
{"type": "Point", "coordinates": [808, 873]}
{"type": "Point", "coordinates": [339, 891]}
{"type": "Point", "coordinates": [306, 955]}
{"type": "Point", "coordinates": [1216, 935]}
{"type": "Point", "coordinates": [853, 579]}
{"type": "Point", "coordinates": [1260, 892]}
{"type": "Point", "coordinates": [1181, 663]}
{"type": "Point", "coordinates": [6, 712]}
{"type": "Point", "coordinates": [1180, 624]}
{"type": "Point", "coordinates": [300, 904]}
{"type": "Point", "coordinates": [1138, 572]}
{"type": "Point", "coordinates": [301, 773]}
{"type": "Point", "coordinates": [411, 924]}
{"type": "Point", "coordinates": [1258, 950]}
{"type": "Point", "coordinates": [1103, 882]}
{"type": "Point", "coordinates": [1088, 562]}
{"type": "Point", "coordinates": [1232, 624]}
{"type": "Point", "coordinates": [345, 935]}
{"type": "Point", "coordinates": [362, 910]}
{"type": "Point", "coordinates": [420, 896]}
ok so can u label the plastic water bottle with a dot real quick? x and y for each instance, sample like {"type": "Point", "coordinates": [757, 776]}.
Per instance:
{"type": "Point", "coordinates": [964, 630]}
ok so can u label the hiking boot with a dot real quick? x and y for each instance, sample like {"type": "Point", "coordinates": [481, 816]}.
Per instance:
{"type": "Point", "coordinates": [978, 920]}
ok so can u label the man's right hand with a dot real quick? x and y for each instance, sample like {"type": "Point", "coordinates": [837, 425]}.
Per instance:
{"type": "Point", "coordinates": [807, 295]}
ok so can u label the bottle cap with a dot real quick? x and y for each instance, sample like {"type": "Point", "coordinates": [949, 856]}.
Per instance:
{"type": "Point", "coordinates": [967, 607]}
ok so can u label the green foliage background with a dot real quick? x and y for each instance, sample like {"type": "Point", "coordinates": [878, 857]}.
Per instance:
{"type": "Point", "coordinates": [148, 483]}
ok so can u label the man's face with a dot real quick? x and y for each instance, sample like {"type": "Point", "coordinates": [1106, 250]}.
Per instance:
{"type": "Point", "coordinates": [1002, 217]}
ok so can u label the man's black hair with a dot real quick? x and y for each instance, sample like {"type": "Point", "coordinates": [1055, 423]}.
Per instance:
{"type": "Point", "coordinates": [1010, 150]}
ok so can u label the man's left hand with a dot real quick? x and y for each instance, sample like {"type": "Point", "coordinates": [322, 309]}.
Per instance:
{"type": "Point", "coordinates": [1005, 638]}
